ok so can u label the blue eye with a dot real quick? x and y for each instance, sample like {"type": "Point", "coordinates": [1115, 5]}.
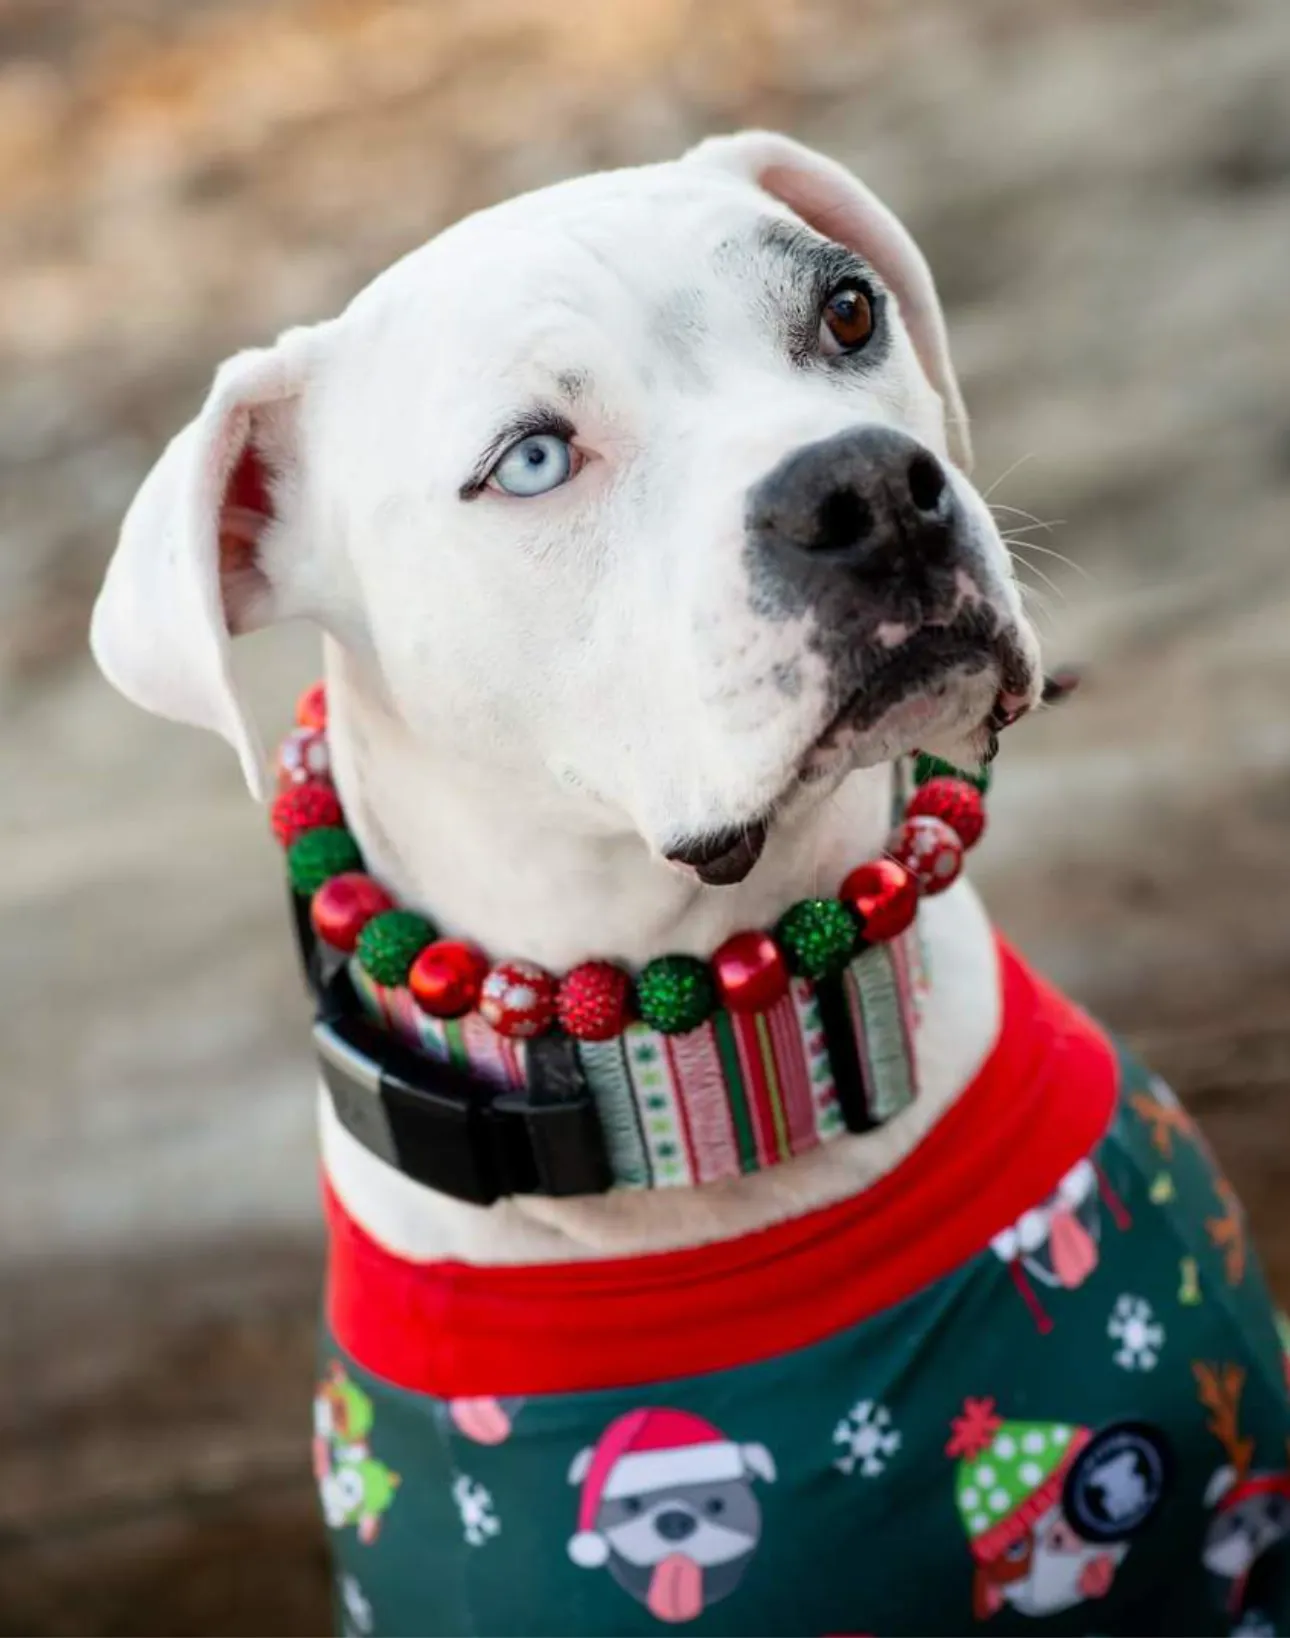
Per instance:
{"type": "Point", "coordinates": [537, 463]}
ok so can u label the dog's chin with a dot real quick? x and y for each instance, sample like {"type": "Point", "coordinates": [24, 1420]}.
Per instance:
{"type": "Point", "coordinates": [947, 690]}
{"type": "Point", "coordinates": [937, 695]}
{"type": "Point", "coordinates": [955, 717]}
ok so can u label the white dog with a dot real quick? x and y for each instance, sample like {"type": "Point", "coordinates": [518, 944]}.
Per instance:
{"type": "Point", "coordinates": [636, 516]}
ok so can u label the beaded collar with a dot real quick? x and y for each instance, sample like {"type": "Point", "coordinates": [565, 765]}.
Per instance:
{"type": "Point", "coordinates": [483, 1078]}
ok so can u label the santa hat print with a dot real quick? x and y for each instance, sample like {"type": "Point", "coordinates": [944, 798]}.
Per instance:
{"type": "Point", "coordinates": [1009, 1473]}
{"type": "Point", "coordinates": [652, 1449]}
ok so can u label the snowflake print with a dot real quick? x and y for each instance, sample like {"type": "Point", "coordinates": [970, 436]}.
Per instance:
{"type": "Point", "coordinates": [358, 1611]}
{"type": "Point", "coordinates": [1134, 1326]}
{"type": "Point", "coordinates": [479, 1522]}
{"type": "Point", "coordinates": [868, 1438]}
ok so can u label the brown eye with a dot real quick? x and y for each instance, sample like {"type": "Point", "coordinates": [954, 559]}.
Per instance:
{"type": "Point", "coordinates": [847, 321]}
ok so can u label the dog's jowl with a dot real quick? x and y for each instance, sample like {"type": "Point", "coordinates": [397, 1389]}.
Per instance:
{"type": "Point", "coordinates": [727, 1230]}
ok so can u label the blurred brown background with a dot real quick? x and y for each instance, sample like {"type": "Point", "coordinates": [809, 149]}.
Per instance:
{"type": "Point", "coordinates": [1104, 191]}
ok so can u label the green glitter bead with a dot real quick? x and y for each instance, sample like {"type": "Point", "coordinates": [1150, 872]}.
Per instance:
{"type": "Point", "coordinates": [936, 767]}
{"type": "Point", "coordinates": [818, 937]}
{"type": "Point", "coordinates": [391, 942]}
{"type": "Point", "coordinates": [675, 994]}
{"type": "Point", "coordinates": [318, 855]}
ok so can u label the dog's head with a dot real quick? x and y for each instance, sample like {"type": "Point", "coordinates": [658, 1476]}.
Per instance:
{"type": "Point", "coordinates": [654, 483]}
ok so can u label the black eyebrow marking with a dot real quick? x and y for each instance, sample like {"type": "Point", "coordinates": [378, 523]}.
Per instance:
{"type": "Point", "coordinates": [811, 256]}
{"type": "Point", "coordinates": [537, 419]}
{"type": "Point", "coordinates": [813, 267]}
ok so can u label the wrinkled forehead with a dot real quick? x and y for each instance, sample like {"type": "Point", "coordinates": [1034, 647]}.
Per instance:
{"type": "Point", "coordinates": [593, 287]}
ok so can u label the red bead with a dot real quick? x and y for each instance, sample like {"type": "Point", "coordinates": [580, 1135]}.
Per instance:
{"type": "Point", "coordinates": [930, 849]}
{"type": "Point", "coordinates": [884, 895]}
{"type": "Point", "coordinates": [343, 906]}
{"type": "Point", "coordinates": [594, 1003]}
{"type": "Point", "coordinates": [446, 978]}
{"type": "Point", "coordinates": [954, 801]}
{"type": "Point", "coordinates": [311, 707]}
{"type": "Point", "coordinates": [301, 808]}
{"type": "Point", "coordinates": [302, 758]}
{"type": "Point", "coordinates": [750, 972]}
{"type": "Point", "coordinates": [518, 999]}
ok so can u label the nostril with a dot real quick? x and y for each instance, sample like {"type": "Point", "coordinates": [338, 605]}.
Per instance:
{"type": "Point", "coordinates": [674, 1525]}
{"type": "Point", "coordinates": [926, 482]}
{"type": "Point", "coordinates": [842, 521]}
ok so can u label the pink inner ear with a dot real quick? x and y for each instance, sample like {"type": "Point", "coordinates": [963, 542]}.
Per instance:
{"type": "Point", "coordinates": [811, 198]}
{"type": "Point", "coordinates": [246, 508]}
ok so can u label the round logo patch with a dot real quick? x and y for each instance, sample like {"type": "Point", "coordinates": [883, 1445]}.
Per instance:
{"type": "Point", "coordinates": [1118, 1480]}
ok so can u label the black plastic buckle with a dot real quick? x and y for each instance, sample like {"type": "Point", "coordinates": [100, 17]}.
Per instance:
{"type": "Point", "coordinates": [443, 1126]}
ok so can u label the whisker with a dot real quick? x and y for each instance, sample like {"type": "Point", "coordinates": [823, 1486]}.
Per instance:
{"type": "Point", "coordinates": [1020, 461]}
{"type": "Point", "coordinates": [1020, 511]}
{"type": "Point", "coordinates": [1047, 579]}
{"type": "Point", "coordinates": [1033, 597]}
{"type": "Point", "coordinates": [1047, 551]}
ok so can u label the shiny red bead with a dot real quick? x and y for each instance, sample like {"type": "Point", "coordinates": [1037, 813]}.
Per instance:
{"type": "Point", "coordinates": [447, 976]}
{"type": "Point", "coordinates": [518, 998]}
{"type": "Point", "coordinates": [303, 758]}
{"type": "Point", "coordinates": [750, 971]}
{"type": "Point", "coordinates": [884, 895]}
{"type": "Point", "coordinates": [301, 808]}
{"type": "Point", "coordinates": [594, 1003]}
{"type": "Point", "coordinates": [954, 801]}
{"type": "Point", "coordinates": [311, 707]}
{"type": "Point", "coordinates": [343, 906]}
{"type": "Point", "coordinates": [931, 850]}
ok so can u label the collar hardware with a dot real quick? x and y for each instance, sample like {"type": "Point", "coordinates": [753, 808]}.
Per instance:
{"type": "Point", "coordinates": [440, 1125]}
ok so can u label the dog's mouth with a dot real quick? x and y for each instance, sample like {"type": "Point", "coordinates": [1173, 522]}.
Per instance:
{"type": "Point", "coordinates": [902, 695]}
{"type": "Point", "coordinates": [920, 686]}
{"type": "Point", "coordinates": [726, 857]}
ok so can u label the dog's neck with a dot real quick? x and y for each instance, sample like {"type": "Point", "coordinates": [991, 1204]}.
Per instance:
{"type": "Point", "coordinates": [504, 865]}
{"type": "Point", "coordinates": [511, 862]}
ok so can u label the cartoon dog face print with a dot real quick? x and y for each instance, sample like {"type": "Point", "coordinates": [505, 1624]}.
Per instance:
{"type": "Point", "coordinates": [1251, 1507]}
{"type": "Point", "coordinates": [1252, 1516]}
{"type": "Point", "coordinates": [1050, 1508]}
{"type": "Point", "coordinates": [1049, 1569]}
{"type": "Point", "coordinates": [668, 1507]}
{"type": "Point", "coordinates": [1056, 1243]}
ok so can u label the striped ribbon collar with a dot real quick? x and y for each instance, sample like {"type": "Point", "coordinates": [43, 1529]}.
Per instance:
{"type": "Point", "coordinates": [740, 1094]}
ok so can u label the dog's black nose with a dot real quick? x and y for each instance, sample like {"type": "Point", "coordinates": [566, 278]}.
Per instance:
{"type": "Point", "coordinates": [674, 1525]}
{"type": "Point", "coordinates": [872, 501]}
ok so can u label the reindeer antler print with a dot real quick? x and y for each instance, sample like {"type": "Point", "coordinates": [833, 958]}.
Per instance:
{"type": "Point", "coordinates": [1165, 1120]}
{"type": "Point", "coordinates": [1228, 1232]}
{"type": "Point", "coordinates": [1218, 1388]}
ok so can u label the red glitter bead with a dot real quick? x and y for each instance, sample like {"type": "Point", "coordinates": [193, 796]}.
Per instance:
{"type": "Point", "coordinates": [750, 971]}
{"type": "Point", "coordinates": [301, 808]}
{"type": "Point", "coordinates": [343, 906]}
{"type": "Point", "coordinates": [447, 976]}
{"type": "Point", "coordinates": [954, 801]}
{"type": "Point", "coordinates": [884, 895]}
{"type": "Point", "coordinates": [311, 707]}
{"type": "Point", "coordinates": [302, 758]}
{"type": "Point", "coordinates": [518, 998]}
{"type": "Point", "coordinates": [594, 1003]}
{"type": "Point", "coordinates": [931, 850]}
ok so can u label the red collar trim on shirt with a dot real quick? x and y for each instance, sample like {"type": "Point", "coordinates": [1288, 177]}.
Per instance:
{"type": "Point", "coordinates": [1042, 1100]}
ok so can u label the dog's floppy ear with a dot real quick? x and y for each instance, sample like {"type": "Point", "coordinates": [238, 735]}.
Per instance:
{"type": "Point", "coordinates": [828, 198]}
{"type": "Point", "coordinates": [189, 570]}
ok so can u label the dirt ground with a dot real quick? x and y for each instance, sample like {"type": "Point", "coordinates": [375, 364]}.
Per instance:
{"type": "Point", "coordinates": [1104, 192]}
